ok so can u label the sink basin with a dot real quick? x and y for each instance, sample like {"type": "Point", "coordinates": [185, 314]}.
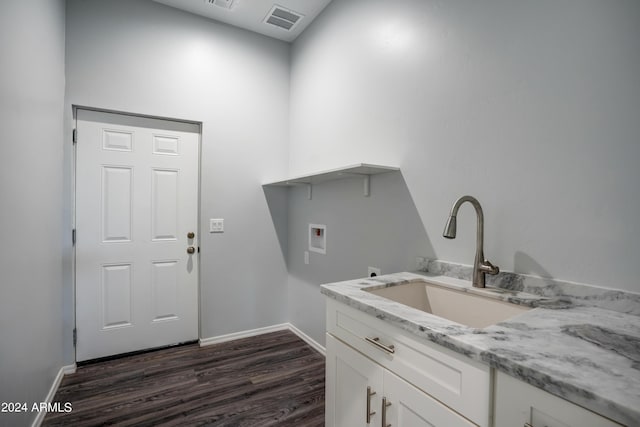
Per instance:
{"type": "Point", "coordinates": [461, 307]}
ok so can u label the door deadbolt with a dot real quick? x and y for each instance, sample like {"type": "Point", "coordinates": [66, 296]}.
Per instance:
{"type": "Point", "coordinates": [191, 235]}
{"type": "Point", "coordinates": [191, 250]}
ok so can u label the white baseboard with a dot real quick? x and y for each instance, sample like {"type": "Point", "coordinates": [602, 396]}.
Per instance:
{"type": "Point", "coordinates": [306, 338]}
{"type": "Point", "coordinates": [243, 334]}
{"type": "Point", "coordinates": [65, 370]}
{"type": "Point", "coordinates": [259, 331]}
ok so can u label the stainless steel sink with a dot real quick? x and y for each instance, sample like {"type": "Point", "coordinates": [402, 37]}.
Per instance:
{"type": "Point", "coordinates": [458, 306]}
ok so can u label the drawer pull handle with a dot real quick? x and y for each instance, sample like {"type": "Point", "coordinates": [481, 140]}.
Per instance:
{"type": "Point", "coordinates": [376, 341]}
{"type": "Point", "coordinates": [385, 405]}
{"type": "Point", "coordinates": [369, 413]}
{"type": "Point", "coordinates": [527, 425]}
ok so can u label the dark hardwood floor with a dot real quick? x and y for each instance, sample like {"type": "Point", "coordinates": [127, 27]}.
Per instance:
{"type": "Point", "coordinates": [274, 379]}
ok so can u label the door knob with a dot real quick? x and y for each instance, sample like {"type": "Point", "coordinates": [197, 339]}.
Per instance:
{"type": "Point", "coordinates": [191, 250]}
{"type": "Point", "coordinates": [191, 235]}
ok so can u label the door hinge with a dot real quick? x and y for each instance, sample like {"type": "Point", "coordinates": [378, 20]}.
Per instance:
{"type": "Point", "coordinates": [75, 336]}
{"type": "Point", "coordinates": [73, 236]}
{"type": "Point", "coordinates": [74, 137]}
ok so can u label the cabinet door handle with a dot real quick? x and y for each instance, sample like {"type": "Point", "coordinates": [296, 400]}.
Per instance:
{"type": "Point", "coordinates": [369, 413]}
{"type": "Point", "coordinates": [385, 405]}
{"type": "Point", "coordinates": [527, 425]}
{"type": "Point", "coordinates": [376, 341]}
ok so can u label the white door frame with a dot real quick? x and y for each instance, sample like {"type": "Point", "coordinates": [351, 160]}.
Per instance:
{"type": "Point", "coordinates": [75, 109]}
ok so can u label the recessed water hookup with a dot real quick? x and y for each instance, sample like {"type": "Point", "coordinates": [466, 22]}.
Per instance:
{"type": "Point", "coordinates": [318, 238]}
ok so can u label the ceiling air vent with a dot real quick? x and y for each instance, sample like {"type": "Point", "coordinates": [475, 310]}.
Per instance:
{"type": "Point", "coordinates": [283, 18]}
{"type": "Point", "coordinates": [225, 4]}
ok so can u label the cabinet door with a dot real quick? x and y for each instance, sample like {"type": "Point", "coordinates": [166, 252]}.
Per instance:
{"type": "Point", "coordinates": [348, 375]}
{"type": "Point", "coordinates": [411, 407]}
{"type": "Point", "coordinates": [518, 404]}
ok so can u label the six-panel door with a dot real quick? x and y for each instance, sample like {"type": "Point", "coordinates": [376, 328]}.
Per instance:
{"type": "Point", "coordinates": [136, 202]}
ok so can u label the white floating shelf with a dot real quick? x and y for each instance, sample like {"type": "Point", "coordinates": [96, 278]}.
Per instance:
{"type": "Point", "coordinates": [354, 171]}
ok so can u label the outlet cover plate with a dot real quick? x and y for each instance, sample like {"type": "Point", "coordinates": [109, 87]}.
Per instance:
{"type": "Point", "coordinates": [371, 271]}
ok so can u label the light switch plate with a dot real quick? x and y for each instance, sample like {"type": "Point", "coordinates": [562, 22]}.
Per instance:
{"type": "Point", "coordinates": [216, 225]}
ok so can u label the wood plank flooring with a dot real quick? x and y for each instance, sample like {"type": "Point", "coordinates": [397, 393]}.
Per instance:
{"type": "Point", "coordinates": [274, 379]}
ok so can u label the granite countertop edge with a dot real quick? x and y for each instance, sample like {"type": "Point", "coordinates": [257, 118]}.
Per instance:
{"type": "Point", "coordinates": [538, 347]}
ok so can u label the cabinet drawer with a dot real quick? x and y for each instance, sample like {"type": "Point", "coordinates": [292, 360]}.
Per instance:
{"type": "Point", "coordinates": [459, 382]}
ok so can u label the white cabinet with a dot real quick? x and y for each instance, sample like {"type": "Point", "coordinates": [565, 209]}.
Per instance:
{"type": "Point", "coordinates": [354, 383]}
{"type": "Point", "coordinates": [426, 384]}
{"type": "Point", "coordinates": [518, 404]}
{"type": "Point", "coordinates": [363, 393]}
{"type": "Point", "coordinates": [411, 407]}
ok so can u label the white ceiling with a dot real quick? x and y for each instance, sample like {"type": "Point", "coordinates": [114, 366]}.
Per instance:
{"type": "Point", "coordinates": [250, 14]}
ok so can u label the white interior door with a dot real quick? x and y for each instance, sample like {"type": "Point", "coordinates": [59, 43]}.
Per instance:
{"type": "Point", "coordinates": [136, 202]}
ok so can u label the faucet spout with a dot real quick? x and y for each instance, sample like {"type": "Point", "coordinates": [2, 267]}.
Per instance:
{"type": "Point", "coordinates": [481, 266]}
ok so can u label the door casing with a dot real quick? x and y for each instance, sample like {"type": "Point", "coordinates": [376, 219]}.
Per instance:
{"type": "Point", "coordinates": [75, 109]}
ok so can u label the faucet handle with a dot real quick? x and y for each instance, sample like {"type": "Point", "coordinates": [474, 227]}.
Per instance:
{"type": "Point", "coordinates": [489, 268]}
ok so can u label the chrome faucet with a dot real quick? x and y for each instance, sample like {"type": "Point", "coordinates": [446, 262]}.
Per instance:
{"type": "Point", "coordinates": [480, 266]}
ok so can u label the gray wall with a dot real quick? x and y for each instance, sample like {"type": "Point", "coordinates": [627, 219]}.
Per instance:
{"type": "Point", "coordinates": [31, 103]}
{"type": "Point", "coordinates": [383, 230]}
{"type": "Point", "coordinates": [531, 106]}
{"type": "Point", "coordinates": [147, 58]}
